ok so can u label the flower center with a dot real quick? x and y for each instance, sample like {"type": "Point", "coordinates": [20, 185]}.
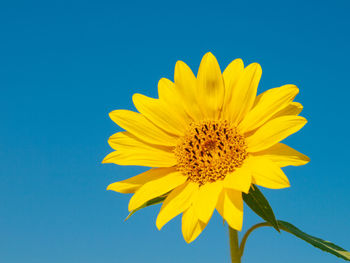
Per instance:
{"type": "Point", "coordinates": [209, 151]}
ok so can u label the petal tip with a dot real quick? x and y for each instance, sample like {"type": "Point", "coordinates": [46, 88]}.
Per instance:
{"type": "Point", "coordinates": [287, 183]}
{"type": "Point", "coordinates": [105, 160]}
{"type": "Point", "coordinates": [303, 119]}
{"type": "Point", "coordinates": [209, 54]}
{"type": "Point", "coordinates": [179, 64]}
{"type": "Point", "coordinates": [255, 67]}
{"type": "Point", "coordinates": [159, 224]}
{"type": "Point", "coordinates": [292, 87]}
{"type": "Point", "coordinates": [307, 159]}
{"type": "Point", "coordinates": [209, 57]}
{"type": "Point", "coordinates": [135, 96]}
{"type": "Point", "coordinates": [132, 204]}
{"type": "Point", "coordinates": [112, 113]}
{"type": "Point", "coordinates": [188, 240]}
{"type": "Point", "coordinates": [239, 61]}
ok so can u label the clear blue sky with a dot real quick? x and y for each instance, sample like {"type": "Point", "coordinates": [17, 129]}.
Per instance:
{"type": "Point", "coordinates": [64, 65]}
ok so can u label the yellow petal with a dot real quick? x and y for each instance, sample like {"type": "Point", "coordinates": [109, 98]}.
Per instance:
{"type": "Point", "coordinates": [274, 131]}
{"type": "Point", "coordinates": [125, 140]}
{"type": "Point", "coordinates": [142, 128]}
{"type": "Point", "coordinates": [211, 89]}
{"type": "Point", "coordinates": [134, 183]}
{"type": "Point", "coordinates": [159, 114]}
{"type": "Point", "coordinates": [269, 103]}
{"type": "Point", "coordinates": [131, 151]}
{"type": "Point", "coordinates": [244, 93]}
{"type": "Point", "coordinates": [156, 188]}
{"type": "Point", "coordinates": [146, 158]}
{"type": "Point", "coordinates": [230, 207]}
{"type": "Point", "coordinates": [170, 96]}
{"type": "Point", "coordinates": [231, 75]}
{"type": "Point", "coordinates": [166, 90]}
{"type": "Point", "coordinates": [191, 225]}
{"type": "Point", "coordinates": [176, 202]}
{"type": "Point", "coordinates": [186, 83]}
{"type": "Point", "coordinates": [266, 173]}
{"type": "Point", "coordinates": [239, 180]}
{"type": "Point", "coordinates": [283, 155]}
{"type": "Point", "coordinates": [293, 108]}
{"type": "Point", "coordinates": [208, 195]}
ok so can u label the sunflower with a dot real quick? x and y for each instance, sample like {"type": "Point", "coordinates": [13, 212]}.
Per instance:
{"type": "Point", "coordinates": [206, 139]}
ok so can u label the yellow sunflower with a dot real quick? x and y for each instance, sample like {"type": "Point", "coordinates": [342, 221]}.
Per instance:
{"type": "Point", "coordinates": [208, 139]}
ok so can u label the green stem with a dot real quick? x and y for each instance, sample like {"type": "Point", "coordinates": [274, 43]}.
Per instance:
{"type": "Point", "coordinates": [234, 247]}
{"type": "Point", "coordinates": [244, 239]}
{"type": "Point", "coordinates": [250, 230]}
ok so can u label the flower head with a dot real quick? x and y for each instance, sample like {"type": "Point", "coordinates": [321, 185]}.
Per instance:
{"type": "Point", "coordinates": [208, 139]}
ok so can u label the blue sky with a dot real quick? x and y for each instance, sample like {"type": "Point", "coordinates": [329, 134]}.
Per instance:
{"type": "Point", "coordinates": [64, 65]}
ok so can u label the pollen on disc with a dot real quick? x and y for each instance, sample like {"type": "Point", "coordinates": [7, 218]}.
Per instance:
{"type": "Point", "coordinates": [209, 151]}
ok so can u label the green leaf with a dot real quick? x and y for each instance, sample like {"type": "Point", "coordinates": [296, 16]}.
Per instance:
{"type": "Point", "coordinates": [315, 241]}
{"type": "Point", "coordinates": [258, 203]}
{"type": "Point", "coordinates": [153, 201]}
